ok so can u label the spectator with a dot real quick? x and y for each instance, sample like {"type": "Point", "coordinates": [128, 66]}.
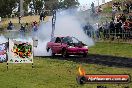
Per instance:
{"type": "Point", "coordinates": [112, 26]}
{"type": "Point", "coordinates": [0, 19]}
{"type": "Point", "coordinates": [130, 23]}
{"type": "Point", "coordinates": [0, 22]}
{"type": "Point", "coordinates": [99, 9]}
{"type": "Point", "coordinates": [35, 26]}
{"type": "Point", "coordinates": [114, 10]}
{"type": "Point", "coordinates": [22, 28]}
{"type": "Point", "coordinates": [19, 19]}
{"type": "Point", "coordinates": [43, 15]}
{"type": "Point", "coordinates": [126, 23]}
{"type": "Point", "coordinates": [116, 19]}
{"type": "Point", "coordinates": [26, 26]}
{"type": "Point", "coordinates": [119, 7]}
{"type": "Point", "coordinates": [123, 18]}
{"type": "Point", "coordinates": [127, 8]}
{"type": "Point", "coordinates": [118, 26]}
{"type": "Point", "coordinates": [92, 6]}
{"type": "Point", "coordinates": [130, 18]}
{"type": "Point", "coordinates": [131, 7]}
{"type": "Point", "coordinates": [10, 26]}
{"type": "Point", "coordinates": [34, 23]}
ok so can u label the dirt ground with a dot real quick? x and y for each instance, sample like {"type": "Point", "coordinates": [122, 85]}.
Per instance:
{"type": "Point", "coordinates": [27, 19]}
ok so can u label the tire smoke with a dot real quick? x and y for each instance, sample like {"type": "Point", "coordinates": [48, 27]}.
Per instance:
{"type": "Point", "coordinates": [66, 25]}
{"type": "Point", "coordinates": [3, 39]}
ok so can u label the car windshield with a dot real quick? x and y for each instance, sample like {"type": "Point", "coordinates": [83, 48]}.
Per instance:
{"type": "Point", "coordinates": [70, 40]}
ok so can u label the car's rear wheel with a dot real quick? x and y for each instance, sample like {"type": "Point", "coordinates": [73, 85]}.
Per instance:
{"type": "Point", "coordinates": [64, 53]}
{"type": "Point", "coordinates": [50, 50]}
{"type": "Point", "coordinates": [85, 55]}
{"type": "Point", "coordinates": [47, 49]}
{"type": "Point", "coordinates": [53, 54]}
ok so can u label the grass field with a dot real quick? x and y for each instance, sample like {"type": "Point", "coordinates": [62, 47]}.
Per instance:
{"type": "Point", "coordinates": [59, 73]}
{"type": "Point", "coordinates": [114, 49]}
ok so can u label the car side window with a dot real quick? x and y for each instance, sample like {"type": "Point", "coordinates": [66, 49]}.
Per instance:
{"type": "Point", "coordinates": [67, 39]}
{"type": "Point", "coordinates": [58, 40]}
{"type": "Point", "coordinates": [75, 40]}
{"type": "Point", "coordinates": [64, 40]}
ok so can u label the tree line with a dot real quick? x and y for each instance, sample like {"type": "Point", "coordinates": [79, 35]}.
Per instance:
{"type": "Point", "coordinates": [7, 6]}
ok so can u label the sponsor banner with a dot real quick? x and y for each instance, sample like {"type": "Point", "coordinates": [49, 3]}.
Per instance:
{"type": "Point", "coordinates": [103, 79]}
{"type": "Point", "coordinates": [3, 52]}
{"type": "Point", "coordinates": [83, 78]}
{"type": "Point", "coordinates": [20, 51]}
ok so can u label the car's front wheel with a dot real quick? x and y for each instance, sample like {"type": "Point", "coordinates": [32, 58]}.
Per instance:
{"type": "Point", "coordinates": [85, 55]}
{"type": "Point", "coordinates": [64, 53]}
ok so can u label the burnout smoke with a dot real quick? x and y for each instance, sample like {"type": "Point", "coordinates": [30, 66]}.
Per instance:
{"type": "Point", "coordinates": [43, 36]}
{"type": "Point", "coordinates": [66, 25]}
{"type": "Point", "coordinates": [3, 39]}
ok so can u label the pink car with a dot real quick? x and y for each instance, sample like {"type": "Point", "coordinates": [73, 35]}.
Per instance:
{"type": "Point", "coordinates": [67, 46]}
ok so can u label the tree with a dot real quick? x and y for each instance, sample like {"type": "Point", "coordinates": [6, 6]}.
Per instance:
{"type": "Point", "coordinates": [7, 6]}
{"type": "Point", "coordinates": [38, 5]}
{"type": "Point", "coordinates": [51, 4]}
{"type": "Point", "coordinates": [25, 5]}
{"type": "Point", "coordinates": [56, 4]}
{"type": "Point", "coordinates": [69, 3]}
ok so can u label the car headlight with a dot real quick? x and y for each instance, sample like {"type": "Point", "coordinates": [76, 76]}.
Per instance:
{"type": "Point", "coordinates": [71, 47]}
{"type": "Point", "coordinates": [86, 47]}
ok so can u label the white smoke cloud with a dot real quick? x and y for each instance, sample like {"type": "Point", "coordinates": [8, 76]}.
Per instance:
{"type": "Point", "coordinates": [43, 36]}
{"type": "Point", "coordinates": [3, 39]}
{"type": "Point", "coordinates": [66, 25]}
{"type": "Point", "coordinates": [69, 25]}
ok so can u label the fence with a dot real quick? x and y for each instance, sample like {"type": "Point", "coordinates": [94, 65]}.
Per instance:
{"type": "Point", "coordinates": [123, 36]}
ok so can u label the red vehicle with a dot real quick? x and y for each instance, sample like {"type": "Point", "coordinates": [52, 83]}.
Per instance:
{"type": "Point", "coordinates": [67, 46]}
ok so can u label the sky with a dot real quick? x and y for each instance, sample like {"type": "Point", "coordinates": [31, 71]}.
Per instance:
{"type": "Point", "coordinates": [90, 1]}
{"type": "Point", "coordinates": [86, 4]}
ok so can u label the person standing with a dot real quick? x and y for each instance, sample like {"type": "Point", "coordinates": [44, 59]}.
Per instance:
{"type": "Point", "coordinates": [92, 6]}
{"type": "Point", "coordinates": [114, 10]}
{"type": "Point", "coordinates": [0, 22]}
{"type": "Point", "coordinates": [10, 26]}
{"type": "Point", "coordinates": [19, 19]}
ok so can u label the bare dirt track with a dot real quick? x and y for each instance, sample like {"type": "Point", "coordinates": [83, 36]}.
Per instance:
{"type": "Point", "coordinates": [111, 61]}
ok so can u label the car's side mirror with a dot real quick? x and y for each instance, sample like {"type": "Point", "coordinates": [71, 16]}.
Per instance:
{"type": "Point", "coordinates": [81, 43]}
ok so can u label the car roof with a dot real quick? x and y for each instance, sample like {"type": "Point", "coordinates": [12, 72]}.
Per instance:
{"type": "Point", "coordinates": [61, 36]}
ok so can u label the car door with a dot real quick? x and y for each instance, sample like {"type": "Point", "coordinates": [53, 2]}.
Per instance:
{"type": "Point", "coordinates": [51, 43]}
{"type": "Point", "coordinates": [57, 46]}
